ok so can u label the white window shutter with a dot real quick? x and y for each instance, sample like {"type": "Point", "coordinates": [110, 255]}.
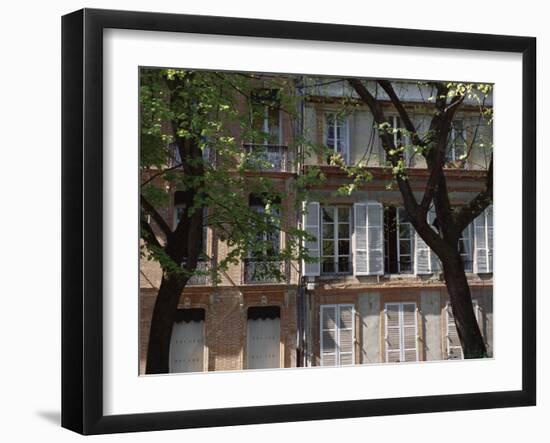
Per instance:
{"type": "Point", "coordinates": [393, 332]}
{"type": "Point", "coordinates": [401, 335]}
{"type": "Point", "coordinates": [422, 256]}
{"type": "Point", "coordinates": [375, 238]}
{"type": "Point", "coordinates": [360, 250]}
{"type": "Point", "coordinates": [346, 316]}
{"type": "Point", "coordinates": [489, 216]}
{"type": "Point", "coordinates": [329, 334]}
{"type": "Point", "coordinates": [435, 262]}
{"type": "Point", "coordinates": [454, 348]}
{"type": "Point", "coordinates": [311, 226]}
{"type": "Point", "coordinates": [483, 239]}
{"type": "Point", "coordinates": [410, 332]}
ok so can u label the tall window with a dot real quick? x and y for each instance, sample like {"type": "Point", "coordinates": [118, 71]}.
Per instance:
{"type": "Point", "coordinates": [457, 147]}
{"type": "Point", "coordinates": [401, 335]}
{"type": "Point", "coordinates": [179, 211]}
{"type": "Point", "coordinates": [454, 348]}
{"type": "Point", "coordinates": [336, 240]}
{"type": "Point", "coordinates": [268, 240]}
{"type": "Point", "coordinates": [337, 335]}
{"type": "Point", "coordinates": [266, 116]}
{"type": "Point", "coordinates": [401, 139]}
{"type": "Point", "coordinates": [465, 249]}
{"type": "Point", "coordinates": [405, 242]}
{"type": "Point", "coordinates": [336, 134]}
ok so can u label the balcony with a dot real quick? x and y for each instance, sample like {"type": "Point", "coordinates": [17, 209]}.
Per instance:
{"type": "Point", "coordinates": [261, 271]}
{"type": "Point", "coordinates": [265, 157]}
{"type": "Point", "coordinates": [202, 276]}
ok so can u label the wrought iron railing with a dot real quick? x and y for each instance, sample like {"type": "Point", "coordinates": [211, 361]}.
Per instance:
{"type": "Point", "coordinates": [267, 157]}
{"type": "Point", "coordinates": [265, 270]}
{"type": "Point", "coordinates": [202, 274]}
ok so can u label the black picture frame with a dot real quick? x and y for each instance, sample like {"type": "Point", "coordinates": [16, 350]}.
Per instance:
{"type": "Point", "coordinates": [82, 231]}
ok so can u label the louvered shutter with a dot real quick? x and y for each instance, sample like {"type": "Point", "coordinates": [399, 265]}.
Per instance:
{"type": "Point", "coordinates": [401, 335]}
{"type": "Point", "coordinates": [311, 226]}
{"type": "Point", "coordinates": [360, 250]}
{"type": "Point", "coordinates": [328, 335]}
{"type": "Point", "coordinates": [435, 262]}
{"type": "Point", "coordinates": [410, 333]}
{"type": "Point", "coordinates": [375, 238]}
{"type": "Point", "coordinates": [489, 216]}
{"type": "Point", "coordinates": [393, 333]}
{"type": "Point", "coordinates": [483, 239]}
{"type": "Point", "coordinates": [345, 334]}
{"type": "Point", "coordinates": [422, 256]}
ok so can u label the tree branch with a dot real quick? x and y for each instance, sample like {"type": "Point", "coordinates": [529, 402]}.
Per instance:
{"type": "Point", "coordinates": [478, 204]}
{"type": "Point", "coordinates": [159, 220]}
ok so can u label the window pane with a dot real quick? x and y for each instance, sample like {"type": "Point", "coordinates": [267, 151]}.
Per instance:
{"type": "Point", "coordinates": [328, 230]}
{"type": "Point", "coordinates": [328, 247]}
{"type": "Point", "coordinates": [404, 247]}
{"type": "Point", "coordinates": [328, 214]}
{"type": "Point", "coordinates": [343, 247]}
{"type": "Point", "coordinates": [328, 265]}
{"type": "Point", "coordinates": [343, 264]}
{"type": "Point", "coordinates": [405, 231]}
{"type": "Point", "coordinates": [343, 214]}
{"type": "Point", "coordinates": [343, 230]}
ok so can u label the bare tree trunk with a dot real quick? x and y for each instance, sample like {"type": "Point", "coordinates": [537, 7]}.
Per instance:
{"type": "Point", "coordinates": [467, 327]}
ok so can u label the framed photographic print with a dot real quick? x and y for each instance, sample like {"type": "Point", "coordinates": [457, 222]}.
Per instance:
{"type": "Point", "coordinates": [270, 221]}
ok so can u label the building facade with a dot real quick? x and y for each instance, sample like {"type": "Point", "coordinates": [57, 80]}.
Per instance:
{"type": "Point", "coordinates": [374, 291]}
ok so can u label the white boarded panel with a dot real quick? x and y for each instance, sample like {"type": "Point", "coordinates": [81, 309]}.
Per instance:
{"type": "Point", "coordinates": [263, 339]}
{"type": "Point", "coordinates": [187, 347]}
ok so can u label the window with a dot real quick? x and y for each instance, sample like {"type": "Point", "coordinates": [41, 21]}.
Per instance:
{"type": "Point", "coordinates": [483, 240]}
{"type": "Point", "coordinates": [187, 341]}
{"type": "Point", "coordinates": [266, 117]}
{"type": "Point", "coordinates": [457, 146]}
{"type": "Point", "coordinates": [179, 212]}
{"type": "Point", "coordinates": [262, 264]}
{"type": "Point", "coordinates": [337, 135]}
{"type": "Point", "coordinates": [401, 139]}
{"type": "Point", "coordinates": [465, 248]}
{"type": "Point", "coordinates": [401, 335]}
{"type": "Point", "coordinates": [405, 242]}
{"type": "Point", "coordinates": [336, 240]}
{"type": "Point", "coordinates": [337, 335]}
{"type": "Point", "coordinates": [454, 348]}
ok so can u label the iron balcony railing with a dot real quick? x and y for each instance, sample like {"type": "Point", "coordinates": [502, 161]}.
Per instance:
{"type": "Point", "coordinates": [202, 275]}
{"type": "Point", "coordinates": [266, 157]}
{"type": "Point", "coordinates": [264, 270]}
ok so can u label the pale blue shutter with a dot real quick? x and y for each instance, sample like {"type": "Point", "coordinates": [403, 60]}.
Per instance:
{"type": "Point", "coordinates": [329, 334]}
{"type": "Point", "coordinates": [311, 226]}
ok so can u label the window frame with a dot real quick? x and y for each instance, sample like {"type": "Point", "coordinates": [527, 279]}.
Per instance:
{"type": "Point", "coordinates": [336, 239]}
{"type": "Point", "coordinates": [399, 239]}
{"type": "Point", "coordinates": [345, 129]}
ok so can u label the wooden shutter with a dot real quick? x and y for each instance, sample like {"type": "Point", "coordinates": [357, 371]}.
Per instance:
{"type": "Point", "coordinates": [311, 226]}
{"type": "Point", "coordinates": [263, 347]}
{"type": "Point", "coordinates": [401, 335]}
{"type": "Point", "coordinates": [375, 238]}
{"type": "Point", "coordinates": [328, 335]}
{"type": "Point", "coordinates": [187, 347]}
{"type": "Point", "coordinates": [422, 256]}
{"type": "Point", "coordinates": [345, 335]}
{"type": "Point", "coordinates": [483, 239]}
{"type": "Point", "coordinates": [360, 250]}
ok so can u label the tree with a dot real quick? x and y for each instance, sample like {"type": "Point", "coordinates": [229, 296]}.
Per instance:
{"type": "Point", "coordinates": [451, 220]}
{"type": "Point", "coordinates": [185, 115]}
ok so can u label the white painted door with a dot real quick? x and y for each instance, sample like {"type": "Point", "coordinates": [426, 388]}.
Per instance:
{"type": "Point", "coordinates": [264, 349]}
{"type": "Point", "coordinates": [187, 347]}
